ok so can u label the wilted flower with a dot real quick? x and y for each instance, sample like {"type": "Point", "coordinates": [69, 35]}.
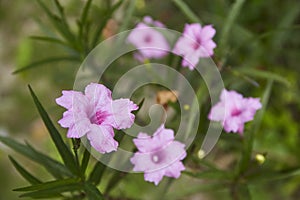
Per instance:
{"type": "Point", "coordinates": [149, 41]}
{"type": "Point", "coordinates": [95, 114]}
{"type": "Point", "coordinates": [158, 155]}
{"type": "Point", "coordinates": [195, 43]}
{"type": "Point", "coordinates": [233, 110]}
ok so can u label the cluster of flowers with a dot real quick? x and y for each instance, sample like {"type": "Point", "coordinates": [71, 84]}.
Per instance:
{"type": "Point", "coordinates": [195, 43]}
{"type": "Point", "coordinates": [95, 114]}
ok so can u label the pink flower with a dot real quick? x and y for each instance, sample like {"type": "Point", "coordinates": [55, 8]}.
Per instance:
{"type": "Point", "coordinates": [195, 43]}
{"type": "Point", "coordinates": [95, 114]}
{"type": "Point", "coordinates": [233, 111]}
{"type": "Point", "coordinates": [158, 155]}
{"type": "Point", "coordinates": [149, 41]}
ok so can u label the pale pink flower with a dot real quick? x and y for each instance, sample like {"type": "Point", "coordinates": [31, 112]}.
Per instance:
{"type": "Point", "coordinates": [149, 41]}
{"type": "Point", "coordinates": [95, 114]}
{"type": "Point", "coordinates": [158, 155]}
{"type": "Point", "coordinates": [233, 111]}
{"type": "Point", "coordinates": [195, 43]}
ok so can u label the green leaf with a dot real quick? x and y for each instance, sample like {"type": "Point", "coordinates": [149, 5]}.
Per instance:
{"type": "Point", "coordinates": [228, 24]}
{"type": "Point", "coordinates": [249, 135]}
{"type": "Point", "coordinates": [25, 174]}
{"type": "Point", "coordinates": [59, 23]}
{"type": "Point", "coordinates": [92, 192]}
{"type": "Point", "coordinates": [85, 160]}
{"type": "Point", "coordinates": [187, 11]}
{"type": "Point", "coordinates": [104, 22]}
{"type": "Point", "coordinates": [97, 173]}
{"type": "Point", "coordinates": [62, 148]}
{"type": "Point", "coordinates": [52, 166]}
{"type": "Point", "coordinates": [48, 185]}
{"type": "Point", "coordinates": [51, 189]}
{"type": "Point", "coordinates": [49, 39]}
{"type": "Point", "coordinates": [263, 74]}
{"type": "Point", "coordinates": [46, 61]}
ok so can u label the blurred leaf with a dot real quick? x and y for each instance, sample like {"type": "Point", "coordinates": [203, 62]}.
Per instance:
{"type": "Point", "coordinates": [59, 23]}
{"type": "Point", "coordinates": [62, 148]}
{"type": "Point", "coordinates": [54, 167]}
{"type": "Point", "coordinates": [104, 22]}
{"type": "Point", "coordinates": [187, 11]}
{"type": "Point", "coordinates": [25, 174]}
{"type": "Point", "coordinates": [269, 175]}
{"type": "Point", "coordinates": [97, 173]}
{"type": "Point", "coordinates": [195, 189]}
{"type": "Point", "coordinates": [114, 180]}
{"type": "Point", "coordinates": [263, 74]}
{"type": "Point", "coordinates": [49, 39]}
{"type": "Point", "coordinates": [228, 24]}
{"type": "Point", "coordinates": [210, 174]}
{"type": "Point", "coordinates": [92, 192]}
{"type": "Point", "coordinates": [46, 61]}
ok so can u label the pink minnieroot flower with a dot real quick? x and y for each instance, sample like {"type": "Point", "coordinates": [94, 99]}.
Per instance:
{"type": "Point", "coordinates": [149, 41]}
{"type": "Point", "coordinates": [195, 43]}
{"type": "Point", "coordinates": [233, 111]}
{"type": "Point", "coordinates": [95, 114]}
{"type": "Point", "coordinates": [158, 155]}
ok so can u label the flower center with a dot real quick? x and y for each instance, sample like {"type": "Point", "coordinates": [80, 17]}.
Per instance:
{"type": "Point", "coordinates": [197, 44]}
{"type": "Point", "coordinates": [236, 112]}
{"type": "Point", "coordinates": [100, 117]}
{"type": "Point", "coordinates": [147, 39]}
{"type": "Point", "coordinates": [155, 158]}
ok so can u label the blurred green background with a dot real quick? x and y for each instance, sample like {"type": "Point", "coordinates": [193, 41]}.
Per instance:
{"type": "Point", "coordinates": [264, 36]}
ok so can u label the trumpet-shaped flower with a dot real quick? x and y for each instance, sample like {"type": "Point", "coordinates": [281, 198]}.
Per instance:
{"type": "Point", "coordinates": [158, 155]}
{"type": "Point", "coordinates": [95, 114]}
{"type": "Point", "coordinates": [233, 111]}
{"type": "Point", "coordinates": [195, 43]}
{"type": "Point", "coordinates": [149, 41]}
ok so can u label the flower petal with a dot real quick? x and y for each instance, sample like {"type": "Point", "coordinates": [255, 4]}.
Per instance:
{"type": "Point", "coordinates": [98, 95]}
{"type": "Point", "coordinates": [72, 100]}
{"type": "Point", "coordinates": [122, 117]}
{"type": "Point", "coordinates": [101, 138]}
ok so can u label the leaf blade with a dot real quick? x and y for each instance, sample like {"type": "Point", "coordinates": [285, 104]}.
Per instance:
{"type": "Point", "coordinates": [62, 148]}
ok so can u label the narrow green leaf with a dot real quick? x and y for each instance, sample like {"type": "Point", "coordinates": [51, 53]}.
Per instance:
{"type": "Point", "coordinates": [228, 24]}
{"type": "Point", "coordinates": [187, 11]}
{"type": "Point", "coordinates": [49, 39]}
{"type": "Point", "coordinates": [92, 192]}
{"type": "Point", "coordinates": [249, 135]}
{"type": "Point", "coordinates": [52, 166]}
{"type": "Point", "coordinates": [263, 74]}
{"type": "Point", "coordinates": [48, 185]}
{"type": "Point", "coordinates": [51, 189]}
{"type": "Point", "coordinates": [62, 148]}
{"type": "Point", "coordinates": [85, 160]}
{"type": "Point", "coordinates": [104, 22]}
{"type": "Point", "coordinates": [97, 173]}
{"type": "Point", "coordinates": [46, 61]}
{"type": "Point", "coordinates": [85, 12]}
{"type": "Point", "coordinates": [25, 174]}
{"type": "Point", "coordinates": [59, 23]}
